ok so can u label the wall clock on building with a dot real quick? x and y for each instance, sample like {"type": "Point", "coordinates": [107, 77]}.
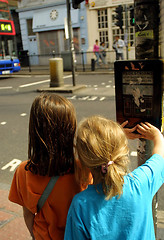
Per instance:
{"type": "Point", "coordinates": [53, 14]}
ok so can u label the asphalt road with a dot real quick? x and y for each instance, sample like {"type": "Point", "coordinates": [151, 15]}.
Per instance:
{"type": "Point", "coordinates": [16, 96]}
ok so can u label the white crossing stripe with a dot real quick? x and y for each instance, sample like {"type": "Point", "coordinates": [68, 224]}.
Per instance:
{"type": "Point", "coordinates": [23, 114]}
{"type": "Point", "coordinates": [9, 87]}
{"type": "Point", "coordinates": [102, 98]}
{"type": "Point", "coordinates": [3, 123]}
{"type": "Point", "coordinates": [92, 98]}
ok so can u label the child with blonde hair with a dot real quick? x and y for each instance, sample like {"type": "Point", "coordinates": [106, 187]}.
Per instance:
{"type": "Point", "coordinates": [119, 204]}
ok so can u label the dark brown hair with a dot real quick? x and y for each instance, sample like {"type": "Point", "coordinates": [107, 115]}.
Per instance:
{"type": "Point", "coordinates": [52, 128]}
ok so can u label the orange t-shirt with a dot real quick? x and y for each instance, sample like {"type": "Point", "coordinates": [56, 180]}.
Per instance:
{"type": "Point", "coordinates": [26, 189]}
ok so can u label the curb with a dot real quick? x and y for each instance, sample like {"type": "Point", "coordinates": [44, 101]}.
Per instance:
{"type": "Point", "coordinates": [62, 89]}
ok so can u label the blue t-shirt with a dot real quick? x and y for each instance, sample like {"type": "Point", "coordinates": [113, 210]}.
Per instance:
{"type": "Point", "coordinates": [129, 217]}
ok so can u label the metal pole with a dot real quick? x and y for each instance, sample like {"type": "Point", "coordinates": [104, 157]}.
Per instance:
{"type": "Point", "coordinates": [147, 40]}
{"type": "Point", "coordinates": [126, 31]}
{"type": "Point", "coordinates": [83, 61]}
{"type": "Point", "coordinates": [70, 41]}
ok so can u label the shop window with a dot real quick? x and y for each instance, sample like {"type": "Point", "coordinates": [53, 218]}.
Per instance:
{"type": "Point", "coordinates": [103, 25]}
{"type": "Point", "coordinates": [55, 41]}
{"type": "Point", "coordinates": [48, 42]}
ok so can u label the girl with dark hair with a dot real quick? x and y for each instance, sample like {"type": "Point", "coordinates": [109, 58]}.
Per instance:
{"type": "Point", "coordinates": [52, 127]}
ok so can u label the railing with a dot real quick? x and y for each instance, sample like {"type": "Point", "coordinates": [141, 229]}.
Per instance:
{"type": "Point", "coordinates": [84, 61]}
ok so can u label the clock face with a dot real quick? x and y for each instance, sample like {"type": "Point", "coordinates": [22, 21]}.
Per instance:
{"type": "Point", "coordinates": [53, 14]}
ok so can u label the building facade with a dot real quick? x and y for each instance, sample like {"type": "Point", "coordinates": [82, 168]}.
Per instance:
{"type": "Point", "coordinates": [44, 28]}
{"type": "Point", "coordinates": [43, 25]}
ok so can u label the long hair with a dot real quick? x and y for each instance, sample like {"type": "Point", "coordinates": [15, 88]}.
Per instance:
{"type": "Point", "coordinates": [100, 141]}
{"type": "Point", "coordinates": [52, 127]}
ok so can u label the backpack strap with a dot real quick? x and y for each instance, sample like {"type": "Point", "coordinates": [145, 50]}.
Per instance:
{"type": "Point", "coordinates": [46, 192]}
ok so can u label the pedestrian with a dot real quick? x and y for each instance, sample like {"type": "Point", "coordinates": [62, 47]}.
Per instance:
{"type": "Point", "coordinates": [119, 204]}
{"type": "Point", "coordinates": [103, 52]}
{"type": "Point", "coordinates": [52, 126]}
{"type": "Point", "coordinates": [118, 46]}
{"type": "Point", "coordinates": [96, 51]}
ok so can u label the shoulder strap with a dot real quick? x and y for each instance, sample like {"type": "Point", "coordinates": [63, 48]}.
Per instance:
{"type": "Point", "coordinates": [46, 192]}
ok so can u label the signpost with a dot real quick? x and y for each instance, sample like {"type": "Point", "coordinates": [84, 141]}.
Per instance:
{"type": "Point", "coordinates": [70, 41]}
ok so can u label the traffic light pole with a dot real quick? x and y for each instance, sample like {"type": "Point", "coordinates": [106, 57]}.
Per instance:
{"type": "Point", "coordinates": [126, 31]}
{"type": "Point", "coordinates": [71, 47]}
{"type": "Point", "coordinates": [147, 40]}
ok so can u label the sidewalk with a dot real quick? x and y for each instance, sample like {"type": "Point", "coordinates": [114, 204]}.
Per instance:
{"type": "Point", "coordinates": [44, 70]}
{"type": "Point", "coordinates": [12, 224]}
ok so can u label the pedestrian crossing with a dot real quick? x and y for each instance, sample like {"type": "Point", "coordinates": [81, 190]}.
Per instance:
{"type": "Point", "coordinates": [87, 98]}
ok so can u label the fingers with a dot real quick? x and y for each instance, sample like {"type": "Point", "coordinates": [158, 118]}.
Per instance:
{"type": "Point", "coordinates": [132, 129]}
{"type": "Point", "coordinates": [145, 126]}
{"type": "Point", "coordinates": [124, 123]}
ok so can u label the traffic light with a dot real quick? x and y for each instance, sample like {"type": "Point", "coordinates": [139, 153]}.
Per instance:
{"type": "Point", "coordinates": [119, 16]}
{"type": "Point", "coordinates": [132, 19]}
{"type": "Point", "coordinates": [76, 3]}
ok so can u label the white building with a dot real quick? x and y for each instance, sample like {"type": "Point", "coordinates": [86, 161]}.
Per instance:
{"type": "Point", "coordinates": [101, 25]}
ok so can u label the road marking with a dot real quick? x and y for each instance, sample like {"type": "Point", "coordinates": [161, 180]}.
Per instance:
{"type": "Point", "coordinates": [92, 98]}
{"type": "Point", "coordinates": [12, 164]}
{"type": "Point", "coordinates": [108, 86]}
{"type": "Point", "coordinates": [20, 76]}
{"type": "Point", "coordinates": [68, 76]}
{"type": "Point", "coordinates": [35, 83]}
{"type": "Point", "coordinates": [102, 98]}
{"type": "Point", "coordinates": [23, 114]}
{"type": "Point", "coordinates": [40, 82]}
{"type": "Point", "coordinates": [9, 87]}
{"type": "Point", "coordinates": [71, 98]}
{"type": "Point", "coordinates": [133, 154]}
{"type": "Point", "coordinates": [84, 98]}
{"type": "Point", "coordinates": [95, 86]}
{"type": "Point", "coordinates": [3, 123]}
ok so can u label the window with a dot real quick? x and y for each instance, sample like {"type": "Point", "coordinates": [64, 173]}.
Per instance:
{"type": "Point", "coordinates": [51, 41]}
{"type": "Point", "coordinates": [48, 42]}
{"type": "Point", "coordinates": [29, 27]}
{"type": "Point", "coordinates": [103, 25]}
{"type": "Point", "coordinates": [76, 39]}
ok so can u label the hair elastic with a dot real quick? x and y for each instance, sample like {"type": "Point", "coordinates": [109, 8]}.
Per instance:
{"type": "Point", "coordinates": [105, 166]}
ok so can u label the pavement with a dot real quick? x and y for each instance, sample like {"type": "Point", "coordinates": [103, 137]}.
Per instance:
{"type": "Point", "coordinates": [12, 224]}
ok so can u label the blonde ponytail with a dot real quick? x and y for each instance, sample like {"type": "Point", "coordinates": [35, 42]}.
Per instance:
{"type": "Point", "coordinates": [102, 148]}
